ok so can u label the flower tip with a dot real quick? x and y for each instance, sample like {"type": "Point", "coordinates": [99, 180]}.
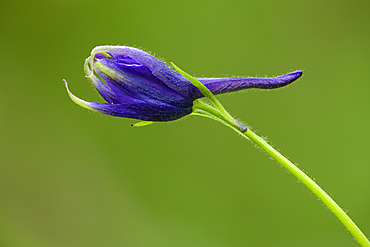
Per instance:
{"type": "Point", "coordinates": [77, 100]}
{"type": "Point", "coordinates": [66, 85]}
{"type": "Point", "coordinates": [296, 74]}
{"type": "Point", "coordinates": [299, 72]}
{"type": "Point", "coordinates": [289, 78]}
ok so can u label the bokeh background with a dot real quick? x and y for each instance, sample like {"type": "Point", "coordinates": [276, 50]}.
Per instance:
{"type": "Point", "coordinates": [69, 177]}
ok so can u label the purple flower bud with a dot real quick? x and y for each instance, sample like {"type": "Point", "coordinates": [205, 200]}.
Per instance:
{"type": "Point", "coordinates": [137, 85]}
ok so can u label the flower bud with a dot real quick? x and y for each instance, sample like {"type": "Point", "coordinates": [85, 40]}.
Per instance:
{"type": "Point", "coordinates": [137, 85]}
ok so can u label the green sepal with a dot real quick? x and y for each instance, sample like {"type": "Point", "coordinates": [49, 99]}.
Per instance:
{"type": "Point", "coordinates": [205, 110]}
{"type": "Point", "coordinates": [209, 95]}
{"type": "Point", "coordinates": [142, 123]}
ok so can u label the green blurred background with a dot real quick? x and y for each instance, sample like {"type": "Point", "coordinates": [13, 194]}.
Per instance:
{"type": "Point", "coordinates": [69, 177]}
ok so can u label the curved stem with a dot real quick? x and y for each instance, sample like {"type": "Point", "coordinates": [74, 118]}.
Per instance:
{"type": "Point", "coordinates": [205, 110]}
{"type": "Point", "coordinates": [311, 185]}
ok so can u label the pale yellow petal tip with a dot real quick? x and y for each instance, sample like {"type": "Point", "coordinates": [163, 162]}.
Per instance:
{"type": "Point", "coordinates": [77, 100]}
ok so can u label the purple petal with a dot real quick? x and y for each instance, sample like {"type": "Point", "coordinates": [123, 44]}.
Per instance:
{"type": "Point", "coordinates": [142, 110]}
{"type": "Point", "coordinates": [100, 86]}
{"type": "Point", "coordinates": [136, 109]}
{"type": "Point", "coordinates": [137, 81]}
{"type": "Point", "coordinates": [146, 64]}
{"type": "Point", "coordinates": [227, 85]}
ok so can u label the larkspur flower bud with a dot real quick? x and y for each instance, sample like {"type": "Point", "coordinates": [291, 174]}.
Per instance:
{"type": "Point", "coordinates": [137, 85]}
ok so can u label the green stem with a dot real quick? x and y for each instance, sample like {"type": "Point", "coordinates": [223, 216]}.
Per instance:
{"type": "Point", "coordinates": [320, 193]}
{"type": "Point", "coordinates": [205, 110]}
